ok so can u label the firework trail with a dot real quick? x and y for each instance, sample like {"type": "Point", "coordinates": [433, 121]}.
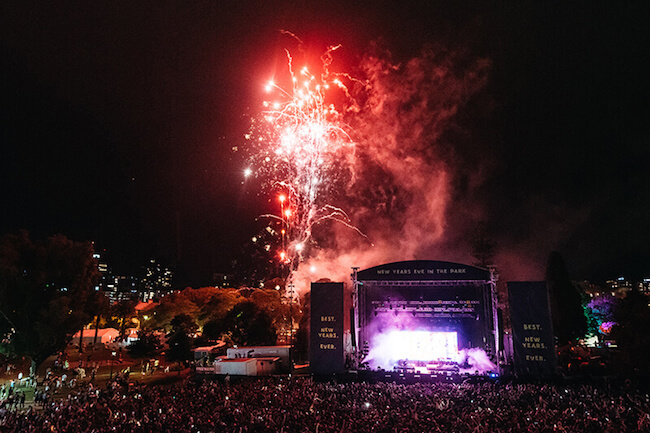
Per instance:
{"type": "Point", "coordinates": [304, 150]}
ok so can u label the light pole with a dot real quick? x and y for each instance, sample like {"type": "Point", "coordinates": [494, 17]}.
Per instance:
{"type": "Point", "coordinates": [112, 361]}
{"type": "Point", "coordinates": [282, 198]}
{"type": "Point", "coordinates": [291, 294]}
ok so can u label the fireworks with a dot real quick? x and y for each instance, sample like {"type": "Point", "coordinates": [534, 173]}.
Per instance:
{"type": "Point", "coordinates": [394, 173]}
{"type": "Point", "coordinates": [304, 151]}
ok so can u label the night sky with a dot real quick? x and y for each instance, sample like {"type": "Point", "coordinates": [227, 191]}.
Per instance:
{"type": "Point", "coordinates": [118, 119]}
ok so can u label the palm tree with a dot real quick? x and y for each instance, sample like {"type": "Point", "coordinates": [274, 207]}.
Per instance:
{"type": "Point", "coordinates": [122, 310]}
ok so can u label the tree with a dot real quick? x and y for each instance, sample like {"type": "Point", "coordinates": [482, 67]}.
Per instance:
{"type": "Point", "coordinates": [631, 331]}
{"type": "Point", "coordinates": [213, 329]}
{"type": "Point", "coordinates": [44, 292]}
{"type": "Point", "coordinates": [302, 335]}
{"type": "Point", "coordinates": [146, 346]}
{"type": "Point", "coordinates": [124, 310]}
{"type": "Point", "coordinates": [284, 311]}
{"type": "Point", "coordinates": [220, 302]}
{"type": "Point", "coordinates": [179, 340]}
{"type": "Point", "coordinates": [98, 306]}
{"type": "Point", "coordinates": [247, 324]}
{"type": "Point", "coordinates": [569, 321]}
{"type": "Point", "coordinates": [203, 305]}
{"type": "Point", "coordinates": [272, 301]}
{"type": "Point", "coordinates": [171, 306]}
{"type": "Point", "coordinates": [600, 312]}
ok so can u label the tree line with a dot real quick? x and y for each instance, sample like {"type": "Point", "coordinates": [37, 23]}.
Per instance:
{"type": "Point", "coordinates": [48, 292]}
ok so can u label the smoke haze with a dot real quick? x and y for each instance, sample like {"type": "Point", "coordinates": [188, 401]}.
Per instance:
{"type": "Point", "coordinates": [407, 168]}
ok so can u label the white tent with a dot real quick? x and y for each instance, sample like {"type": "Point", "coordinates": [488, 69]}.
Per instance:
{"type": "Point", "coordinates": [106, 335]}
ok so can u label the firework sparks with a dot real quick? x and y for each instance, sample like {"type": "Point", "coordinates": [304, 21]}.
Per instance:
{"type": "Point", "coordinates": [304, 151]}
{"type": "Point", "coordinates": [395, 180]}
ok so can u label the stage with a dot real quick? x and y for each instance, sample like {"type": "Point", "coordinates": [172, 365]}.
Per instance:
{"type": "Point", "coordinates": [425, 320]}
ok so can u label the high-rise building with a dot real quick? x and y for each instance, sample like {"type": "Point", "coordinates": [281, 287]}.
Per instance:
{"type": "Point", "coordinates": [117, 288]}
{"type": "Point", "coordinates": [156, 282]}
{"type": "Point", "coordinates": [122, 288]}
{"type": "Point", "coordinates": [102, 266]}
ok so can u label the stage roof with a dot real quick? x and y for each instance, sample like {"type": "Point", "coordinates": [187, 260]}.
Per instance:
{"type": "Point", "coordinates": [423, 270]}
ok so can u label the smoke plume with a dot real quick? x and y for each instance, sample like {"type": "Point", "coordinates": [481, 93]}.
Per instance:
{"type": "Point", "coordinates": [404, 194]}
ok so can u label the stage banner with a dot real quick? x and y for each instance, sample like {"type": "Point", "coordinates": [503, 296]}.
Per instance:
{"type": "Point", "coordinates": [326, 335]}
{"type": "Point", "coordinates": [532, 330]}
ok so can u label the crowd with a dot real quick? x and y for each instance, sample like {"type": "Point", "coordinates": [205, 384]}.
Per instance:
{"type": "Point", "coordinates": [303, 405]}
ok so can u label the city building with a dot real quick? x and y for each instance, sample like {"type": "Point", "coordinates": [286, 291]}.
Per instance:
{"type": "Point", "coordinates": [156, 282]}
{"type": "Point", "coordinates": [619, 287]}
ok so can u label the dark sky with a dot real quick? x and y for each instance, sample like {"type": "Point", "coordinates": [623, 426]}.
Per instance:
{"type": "Point", "coordinates": [117, 119]}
